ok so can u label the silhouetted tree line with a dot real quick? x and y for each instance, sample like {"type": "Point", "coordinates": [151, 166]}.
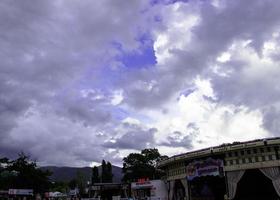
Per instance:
{"type": "Point", "coordinates": [106, 175]}
{"type": "Point", "coordinates": [23, 173]}
{"type": "Point", "coordinates": [142, 165]}
{"type": "Point", "coordinates": [135, 166]}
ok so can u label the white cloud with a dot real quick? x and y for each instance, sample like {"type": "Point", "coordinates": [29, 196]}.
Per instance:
{"type": "Point", "coordinates": [215, 123]}
{"type": "Point", "coordinates": [117, 98]}
{"type": "Point", "coordinates": [179, 20]}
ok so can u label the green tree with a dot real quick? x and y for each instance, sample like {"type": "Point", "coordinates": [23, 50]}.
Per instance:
{"type": "Point", "coordinates": [24, 173]}
{"type": "Point", "coordinates": [95, 175]}
{"type": "Point", "coordinates": [109, 172]}
{"type": "Point", "coordinates": [103, 171]}
{"type": "Point", "coordinates": [142, 165]}
{"type": "Point", "coordinates": [81, 182]}
{"type": "Point", "coordinates": [106, 173]}
{"type": "Point", "coordinates": [60, 186]}
{"type": "Point", "coordinates": [73, 184]}
{"type": "Point", "coordinates": [7, 176]}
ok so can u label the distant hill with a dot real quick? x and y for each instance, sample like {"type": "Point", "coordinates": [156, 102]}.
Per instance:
{"type": "Point", "coordinates": [68, 173]}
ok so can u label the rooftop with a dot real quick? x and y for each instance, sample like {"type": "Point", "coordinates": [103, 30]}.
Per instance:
{"type": "Point", "coordinates": [221, 149]}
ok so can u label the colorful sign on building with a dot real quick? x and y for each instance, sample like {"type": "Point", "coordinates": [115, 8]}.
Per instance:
{"type": "Point", "coordinates": [208, 167]}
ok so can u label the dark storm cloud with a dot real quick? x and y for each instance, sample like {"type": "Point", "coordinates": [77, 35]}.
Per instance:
{"type": "Point", "coordinates": [46, 49]}
{"type": "Point", "coordinates": [149, 93]}
{"type": "Point", "coordinates": [271, 119]}
{"type": "Point", "coordinates": [185, 140]}
{"type": "Point", "coordinates": [87, 110]}
{"type": "Point", "coordinates": [137, 138]}
{"type": "Point", "coordinates": [177, 139]}
{"type": "Point", "coordinates": [55, 140]}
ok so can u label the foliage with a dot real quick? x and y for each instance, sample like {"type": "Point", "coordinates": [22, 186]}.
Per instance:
{"type": "Point", "coordinates": [59, 186]}
{"type": "Point", "coordinates": [73, 184]}
{"type": "Point", "coordinates": [95, 175]}
{"type": "Point", "coordinates": [109, 172]}
{"type": "Point", "coordinates": [103, 171]}
{"type": "Point", "coordinates": [142, 165]}
{"type": "Point", "coordinates": [81, 182]}
{"type": "Point", "coordinates": [23, 173]}
{"type": "Point", "coordinates": [106, 175]}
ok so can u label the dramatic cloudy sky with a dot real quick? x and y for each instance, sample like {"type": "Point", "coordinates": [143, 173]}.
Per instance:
{"type": "Point", "coordinates": [82, 81]}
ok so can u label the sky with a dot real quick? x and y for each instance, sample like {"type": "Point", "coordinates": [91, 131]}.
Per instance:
{"type": "Point", "coordinates": [82, 81]}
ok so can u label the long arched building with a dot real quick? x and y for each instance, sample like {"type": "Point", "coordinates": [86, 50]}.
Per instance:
{"type": "Point", "coordinates": [239, 171]}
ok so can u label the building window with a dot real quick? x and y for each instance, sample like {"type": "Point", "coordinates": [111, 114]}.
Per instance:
{"type": "Point", "coordinates": [242, 153]}
{"type": "Point", "coordinates": [268, 149]}
{"type": "Point", "coordinates": [262, 150]}
{"type": "Point", "coordinates": [255, 151]}
{"type": "Point", "coordinates": [270, 157]}
{"type": "Point", "coordinates": [248, 151]}
{"type": "Point", "coordinates": [237, 161]}
{"type": "Point", "coordinates": [276, 149]}
{"type": "Point", "coordinates": [236, 153]}
{"type": "Point", "coordinates": [229, 154]}
{"type": "Point", "coordinates": [263, 158]}
{"type": "Point", "coordinates": [250, 160]}
{"type": "Point", "coordinates": [243, 160]}
{"type": "Point", "coordinates": [257, 159]}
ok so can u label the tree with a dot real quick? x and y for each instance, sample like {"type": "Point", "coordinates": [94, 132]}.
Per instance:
{"type": "Point", "coordinates": [7, 176]}
{"type": "Point", "coordinates": [73, 184]}
{"type": "Point", "coordinates": [142, 165]}
{"type": "Point", "coordinates": [109, 172]}
{"type": "Point", "coordinates": [103, 171]}
{"type": "Point", "coordinates": [152, 156]}
{"type": "Point", "coordinates": [24, 173]}
{"type": "Point", "coordinates": [95, 175]}
{"type": "Point", "coordinates": [60, 186]}
{"type": "Point", "coordinates": [106, 173]}
{"type": "Point", "coordinates": [81, 182]}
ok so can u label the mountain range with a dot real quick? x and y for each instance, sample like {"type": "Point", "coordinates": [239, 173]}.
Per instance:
{"type": "Point", "coordinates": [68, 173]}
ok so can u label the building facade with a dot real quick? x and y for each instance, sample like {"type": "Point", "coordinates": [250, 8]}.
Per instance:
{"type": "Point", "coordinates": [149, 190]}
{"type": "Point", "coordinates": [241, 170]}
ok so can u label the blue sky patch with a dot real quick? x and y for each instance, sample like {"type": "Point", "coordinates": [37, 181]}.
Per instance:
{"type": "Point", "coordinates": [166, 2]}
{"type": "Point", "coordinates": [142, 58]}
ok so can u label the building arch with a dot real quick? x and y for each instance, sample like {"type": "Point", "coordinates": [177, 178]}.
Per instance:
{"type": "Point", "coordinates": [254, 185]}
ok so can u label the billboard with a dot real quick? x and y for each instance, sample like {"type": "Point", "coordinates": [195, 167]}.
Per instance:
{"type": "Point", "coordinates": [208, 167]}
